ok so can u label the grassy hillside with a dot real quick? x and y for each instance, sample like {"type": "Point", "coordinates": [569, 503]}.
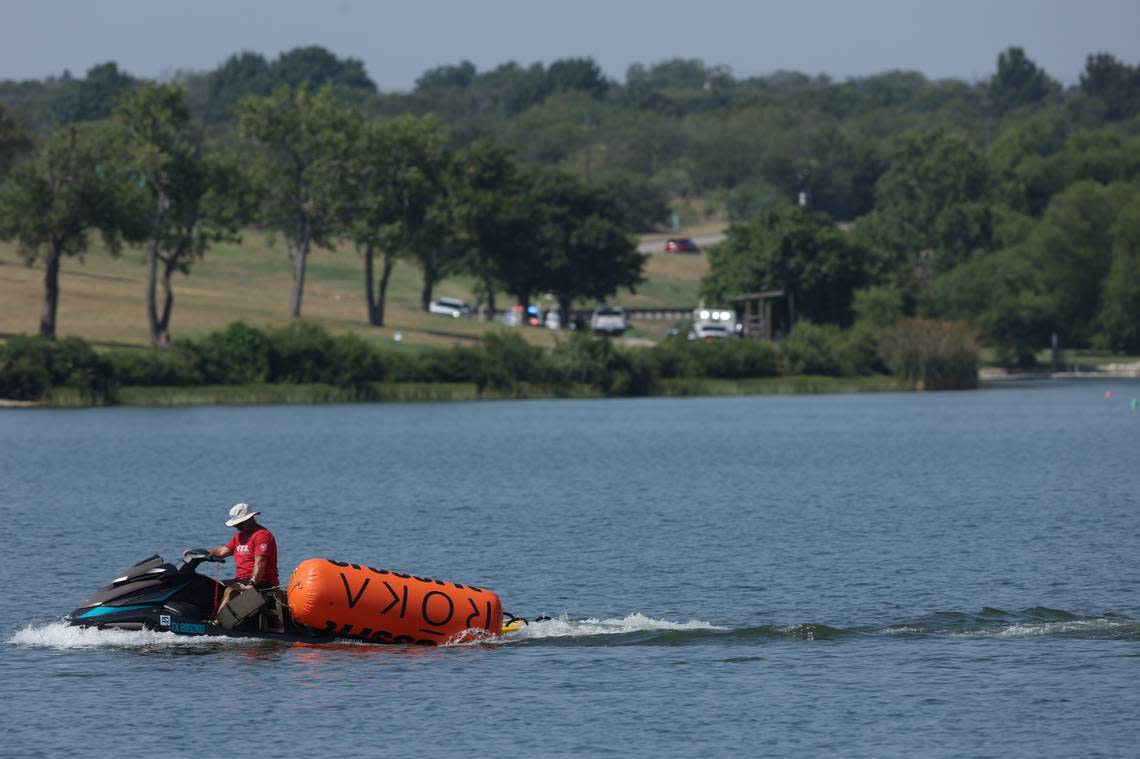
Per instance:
{"type": "Point", "coordinates": [102, 298]}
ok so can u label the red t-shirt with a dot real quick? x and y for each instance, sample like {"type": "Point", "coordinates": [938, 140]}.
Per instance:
{"type": "Point", "coordinates": [259, 543]}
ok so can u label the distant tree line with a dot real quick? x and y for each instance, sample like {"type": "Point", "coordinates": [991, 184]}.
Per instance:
{"type": "Point", "coordinates": [1008, 202]}
{"type": "Point", "coordinates": [313, 169]}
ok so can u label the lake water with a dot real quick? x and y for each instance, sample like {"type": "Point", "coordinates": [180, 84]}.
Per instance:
{"type": "Point", "coordinates": [941, 574]}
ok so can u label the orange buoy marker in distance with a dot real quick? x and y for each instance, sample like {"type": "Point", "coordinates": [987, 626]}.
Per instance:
{"type": "Point", "coordinates": [382, 606]}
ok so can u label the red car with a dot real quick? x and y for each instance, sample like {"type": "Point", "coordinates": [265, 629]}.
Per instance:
{"type": "Point", "coordinates": [681, 245]}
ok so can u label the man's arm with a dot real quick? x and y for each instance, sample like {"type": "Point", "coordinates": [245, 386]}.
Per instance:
{"type": "Point", "coordinates": [258, 562]}
{"type": "Point", "coordinates": [221, 551]}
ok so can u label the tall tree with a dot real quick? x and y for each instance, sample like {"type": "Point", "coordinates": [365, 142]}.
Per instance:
{"type": "Point", "coordinates": [585, 251]}
{"type": "Point", "coordinates": [302, 169]}
{"type": "Point", "coordinates": [1073, 249]}
{"type": "Point", "coordinates": [1019, 81]}
{"type": "Point", "coordinates": [794, 249]}
{"type": "Point", "coordinates": [930, 211]}
{"type": "Point", "coordinates": [313, 66]}
{"type": "Point", "coordinates": [93, 97]}
{"type": "Point", "coordinates": [1119, 319]}
{"type": "Point", "coordinates": [493, 215]}
{"type": "Point", "coordinates": [194, 201]}
{"type": "Point", "coordinates": [74, 186]}
{"type": "Point", "coordinates": [1115, 84]}
{"type": "Point", "coordinates": [422, 226]}
{"type": "Point", "coordinates": [241, 75]}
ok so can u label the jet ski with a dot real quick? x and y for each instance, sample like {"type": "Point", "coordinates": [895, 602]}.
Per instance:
{"type": "Point", "coordinates": [156, 595]}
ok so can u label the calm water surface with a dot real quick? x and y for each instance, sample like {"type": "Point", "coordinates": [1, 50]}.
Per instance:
{"type": "Point", "coordinates": [863, 575]}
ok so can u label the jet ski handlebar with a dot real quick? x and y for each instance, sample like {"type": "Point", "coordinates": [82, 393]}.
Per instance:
{"type": "Point", "coordinates": [192, 557]}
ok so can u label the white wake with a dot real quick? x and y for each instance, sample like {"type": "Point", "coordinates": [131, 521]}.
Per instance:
{"type": "Point", "coordinates": [61, 635]}
{"type": "Point", "coordinates": [564, 627]}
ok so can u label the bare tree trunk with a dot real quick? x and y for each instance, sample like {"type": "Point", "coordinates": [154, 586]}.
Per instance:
{"type": "Point", "coordinates": [564, 303]}
{"type": "Point", "coordinates": [428, 284]}
{"type": "Point", "coordinates": [489, 295]}
{"type": "Point", "coordinates": [51, 292]}
{"type": "Point", "coordinates": [164, 339]}
{"type": "Point", "coordinates": [299, 257]}
{"type": "Point", "coordinates": [385, 275]}
{"type": "Point", "coordinates": [151, 295]}
{"type": "Point", "coordinates": [375, 317]}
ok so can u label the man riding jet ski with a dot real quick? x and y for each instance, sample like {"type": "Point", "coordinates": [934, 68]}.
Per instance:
{"type": "Point", "coordinates": [156, 595]}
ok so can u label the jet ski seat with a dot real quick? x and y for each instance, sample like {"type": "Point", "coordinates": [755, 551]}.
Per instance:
{"type": "Point", "coordinates": [240, 609]}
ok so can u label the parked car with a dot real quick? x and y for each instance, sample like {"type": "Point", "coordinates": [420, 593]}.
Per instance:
{"type": "Point", "coordinates": [453, 307]}
{"type": "Point", "coordinates": [681, 245]}
{"type": "Point", "coordinates": [608, 320]}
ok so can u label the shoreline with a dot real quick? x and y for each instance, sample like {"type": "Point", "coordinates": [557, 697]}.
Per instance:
{"type": "Point", "coordinates": [442, 392]}
{"type": "Point", "coordinates": [445, 392]}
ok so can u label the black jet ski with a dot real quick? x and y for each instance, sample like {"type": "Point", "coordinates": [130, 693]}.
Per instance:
{"type": "Point", "coordinates": [156, 595]}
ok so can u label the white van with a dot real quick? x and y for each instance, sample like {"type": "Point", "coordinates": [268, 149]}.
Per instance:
{"type": "Point", "coordinates": [453, 307]}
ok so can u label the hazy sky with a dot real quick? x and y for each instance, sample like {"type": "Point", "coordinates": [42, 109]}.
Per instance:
{"type": "Point", "coordinates": [399, 40]}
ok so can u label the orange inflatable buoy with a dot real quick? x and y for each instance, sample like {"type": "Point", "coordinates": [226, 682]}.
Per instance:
{"type": "Point", "coordinates": [381, 606]}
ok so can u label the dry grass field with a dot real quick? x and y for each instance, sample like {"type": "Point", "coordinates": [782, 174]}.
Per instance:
{"type": "Point", "coordinates": [102, 298]}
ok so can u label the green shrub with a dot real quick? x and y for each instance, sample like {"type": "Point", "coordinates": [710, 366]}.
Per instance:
{"type": "Point", "coordinates": [435, 365]}
{"type": "Point", "coordinates": [581, 359]}
{"type": "Point", "coordinates": [934, 355]}
{"type": "Point", "coordinates": [676, 358]}
{"type": "Point", "coordinates": [353, 360]}
{"type": "Point", "coordinates": [635, 373]}
{"type": "Point", "coordinates": [507, 360]}
{"type": "Point", "coordinates": [813, 349]}
{"type": "Point", "coordinates": [24, 374]}
{"type": "Point", "coordinates": [859, 351]}
{"type": "Point", "coordinates": [738, 359]}
{"type": "Point", "coordinates": [236, 355]}
{"type": "Point", "coordinates": [30, 366]}
{"type": "Point", "coordinates": [300, 352]}
{"type": "Point", "coordinates": [154, 368]}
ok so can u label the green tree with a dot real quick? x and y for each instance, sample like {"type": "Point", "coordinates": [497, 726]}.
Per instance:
{"type": "Point", "coordinates": [1019, 81]}
{"type": "Point", "coordinates": [194, 201]}
{"type": "Point", "coordinates": [1119, 319]}
{"type": "Point", "coordinates": [240, 75]}
{"type": "Point", "coordinates": [314, 67]}
{"type": "Point", "coordinates": [844, 168]}
{"type": "Point", "coordinates": [1116, 85]}
{"type": "Point", "coordinates": [678, 73]}
{"type": "Point", "coordinates": [13, 141]}
{"type": "Point", "coordinates": [585, 252]}
{"type": "Point", "coordinates": [302, 168]}
{"type": "Point", "coordinates": [1004, 295]}
{"type": "Point", "coordinates": [93, 97]}
{"type": "Point", "coordinates": [793, 249]}
{"type": "Point", "coordinates": [494, 215]}
{"type": "Point", "coordinates": [442, 77]}
{"type": "Point", "coordinates": [398, 182]}
{"type": "Point", "coordinates": [420, 183]}
{"type": "Point", "coordinates": [1073, 249]}
{"type": "Point", "coordinates": [1019, 161]}
{"type": "Point", "coordinates": [929, 207]}
{"type": "Point", "coordinates": [52, 203]}
{"type": "Point", "coordinates": [577, 74]}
